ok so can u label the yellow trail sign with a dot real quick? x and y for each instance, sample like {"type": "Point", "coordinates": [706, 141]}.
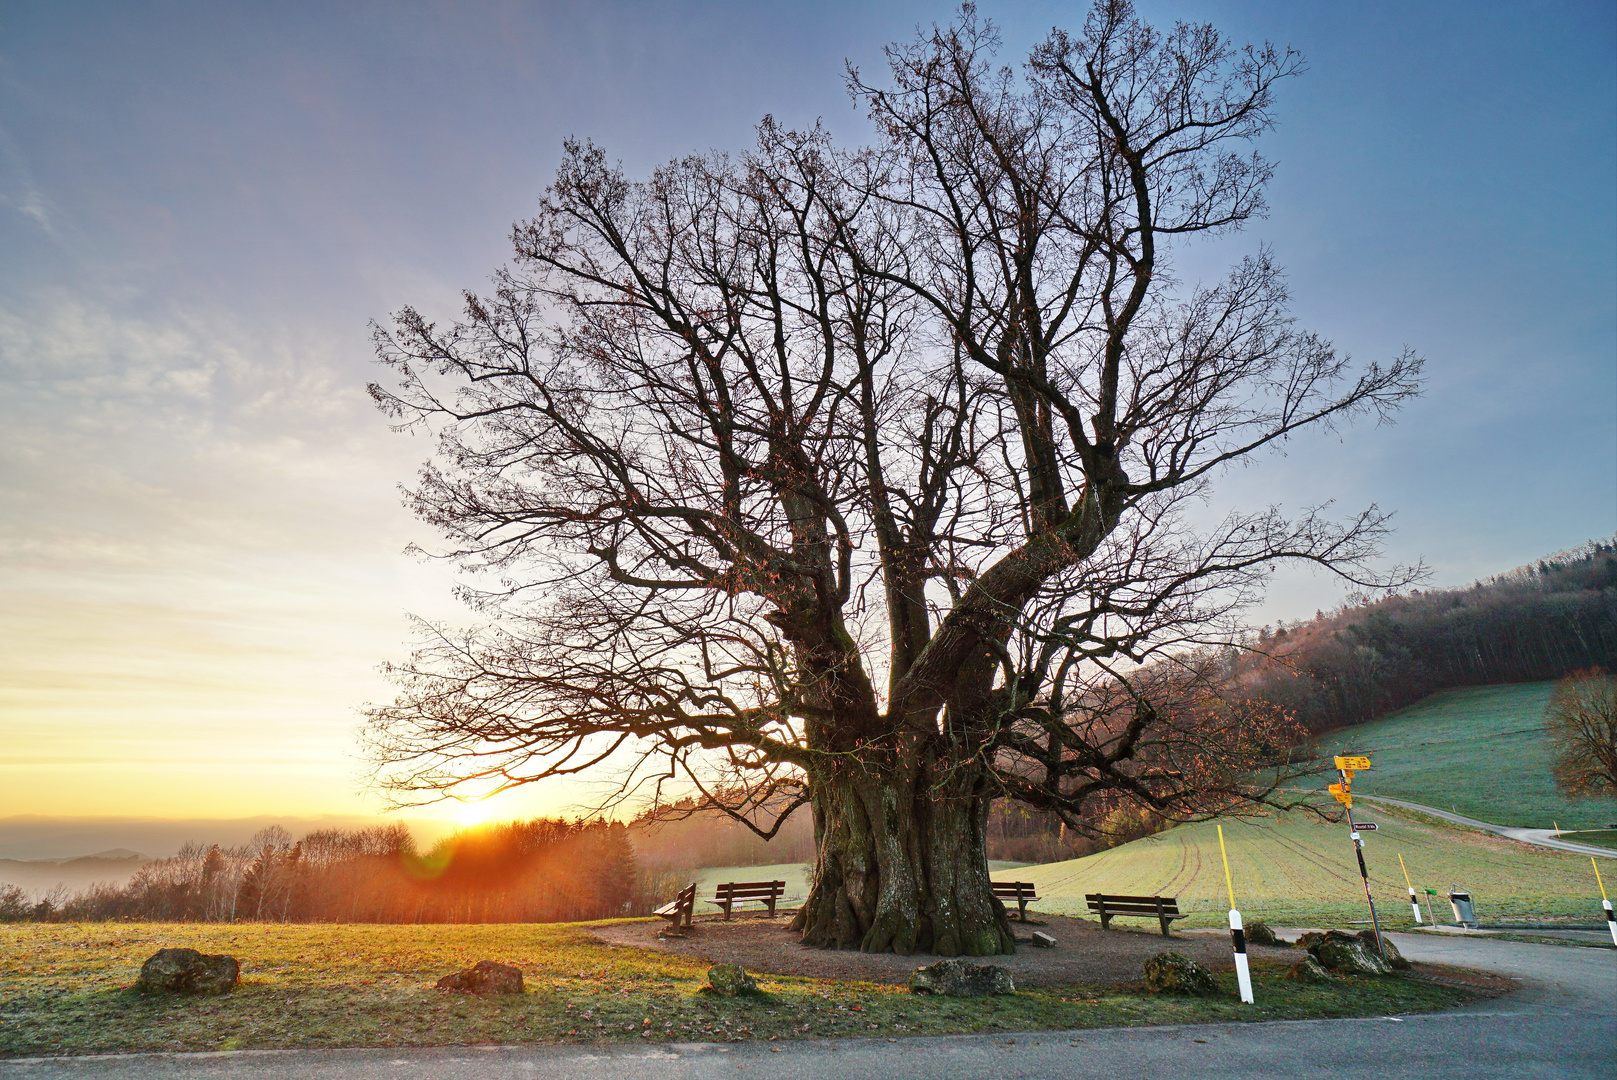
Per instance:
{"type": "Point", "coordinates": [1342, 794]}
{"type": "Point", "coordinates": [1352, 763]}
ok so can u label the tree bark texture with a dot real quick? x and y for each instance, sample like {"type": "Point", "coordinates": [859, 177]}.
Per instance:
{"type": "Point", "coordinates": [903, 865]}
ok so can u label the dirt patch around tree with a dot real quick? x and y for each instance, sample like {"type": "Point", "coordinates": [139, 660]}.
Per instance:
{"type": "Point", "coordinates": [1085, 955]}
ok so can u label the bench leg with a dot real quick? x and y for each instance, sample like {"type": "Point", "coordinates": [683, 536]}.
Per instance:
{"type": "Point", "coordinates": [771, 907]}
{"type": "Point", "coordinates": [1021, 910]}
{"type": "Point", "coordinates": [1105, 920]}
{"type": "Point", "coordinates": [726, 906]}
{"type": "Point", "coordinates": [1165, 926]}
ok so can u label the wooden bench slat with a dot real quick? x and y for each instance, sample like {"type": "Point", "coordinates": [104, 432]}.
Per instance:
{"type": "Point", "coordinates": [1020, 891]}
{"type": "Point", "coordinates": [1165, 909]}
{"type": "Point", "coordinates": [729, 893]}
{"type": "Point", "coordinates": [678, 911]}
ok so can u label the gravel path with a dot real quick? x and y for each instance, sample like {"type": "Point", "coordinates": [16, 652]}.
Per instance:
{"type": "Point", "coordinates": [1085, 954]}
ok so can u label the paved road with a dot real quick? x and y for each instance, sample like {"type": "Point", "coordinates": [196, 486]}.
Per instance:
{"type": "Point", "coordinates": [1541, 837]}
{"type": "Point", "coordinates": [1561, 1024]}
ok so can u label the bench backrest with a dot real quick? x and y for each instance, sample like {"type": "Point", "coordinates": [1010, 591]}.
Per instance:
{"type": "Point", "coordinates": [687, 897]}
{"type": "Point", "coordinates": [747, 890]}
{"type": "Point", "coordinates": [1013, 888]}
{"type": "Point", "coordinates": [1129, 905]}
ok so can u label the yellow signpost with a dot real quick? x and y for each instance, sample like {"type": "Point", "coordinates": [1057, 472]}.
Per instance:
{"type": "Point", "coordinates": [1343, 793]}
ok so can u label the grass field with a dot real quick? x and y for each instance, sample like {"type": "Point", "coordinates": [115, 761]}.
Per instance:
{"type": "Point", "coordinates": [1599, 837]}
{"type": "Point", "coordinates": [1296, 870]}
{"type": "Point", "coordinates": [64, 989]}
{"type": "Point", "coordinates": [1480, 751]}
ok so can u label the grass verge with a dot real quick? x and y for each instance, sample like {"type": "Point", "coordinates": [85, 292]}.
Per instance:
{"type": "Point", "coordinates": [1597, 837]}
{"type": "Point", "coordinates": [64, 989]}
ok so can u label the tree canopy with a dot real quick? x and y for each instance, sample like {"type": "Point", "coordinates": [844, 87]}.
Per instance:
{"type": "Point", "coordinates": [870, 478]}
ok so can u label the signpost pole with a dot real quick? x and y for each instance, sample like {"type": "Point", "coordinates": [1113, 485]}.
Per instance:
{"type": "Point", "coordinates": [1364, 873]}
{"type": "Point", "coordinates": [1605, 901]}
{"type": "Point", "coordinates": [1243, 974]}
{"type": "Point", "coordinates": [1346, 767]}
{"type": "Point", "coordinates": [1414, 904]}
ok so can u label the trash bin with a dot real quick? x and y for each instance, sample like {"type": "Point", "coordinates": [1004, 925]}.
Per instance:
{"type": "Point", "coordinates": [1460, 900]}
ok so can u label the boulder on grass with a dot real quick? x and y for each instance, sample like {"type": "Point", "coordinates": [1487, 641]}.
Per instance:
{"type": "Point", "coordinates": [1307, 970]}
{"type": "Point", "coordinates": [731, 980]}
{"type": "Point", "coordinates": [186, 971]}
{"type": "Point", "coordinates": [1347, 954]}
{"type": "Point", "coordinates": [484, 978]}
{"type": "Point", "coordinates": [1259, 933]}
{"type": "Point", "coordinates": [957, 978]}
{"type": "Point", "coordinates": [1175, 973]}
{"type": "Point", "coordinates": [1389, 951]}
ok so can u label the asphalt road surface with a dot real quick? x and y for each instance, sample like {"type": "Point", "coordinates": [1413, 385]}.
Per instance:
{"type": "Point", "coordinates": [1561, 1024]}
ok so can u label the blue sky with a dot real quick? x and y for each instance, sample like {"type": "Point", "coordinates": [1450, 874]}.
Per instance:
{"type": "Point", "coordinates": [202, 205]}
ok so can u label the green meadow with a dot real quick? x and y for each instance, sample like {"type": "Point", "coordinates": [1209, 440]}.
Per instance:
{"type": "Point", "coordinates": [1479, 751]}
{"type": "Point", "coordinates": [1295, 869]}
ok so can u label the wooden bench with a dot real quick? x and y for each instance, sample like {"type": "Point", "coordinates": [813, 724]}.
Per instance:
{"type": "Point", "coordinates": [1164, 909]}
{"type": "Point", "coordinates": [737, 892]}
{"type": "Point", "coordinates": [678, 910]}
{"type": "Point", "coordinates": [1020, 891]}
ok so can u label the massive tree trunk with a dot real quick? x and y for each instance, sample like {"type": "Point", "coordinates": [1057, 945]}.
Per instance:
{"type": "Point", "coordinates": [903, 863]}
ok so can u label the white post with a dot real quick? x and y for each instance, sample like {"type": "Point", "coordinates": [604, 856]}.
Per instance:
{"type": "Point", "coordinates": [1243, 974]}
{"type": "Point", "coordinates": [1611, 920]}
{"type": "Point", "coordinates": [1414, 905]}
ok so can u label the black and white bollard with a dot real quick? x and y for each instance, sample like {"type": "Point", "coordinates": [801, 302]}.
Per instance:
{"type": "Point", "coordinates": [1243, 974]}
{"type": "Point", "coordinates": [1414, 903]}
{"type": "Point", "coordinates": [1605, 901]}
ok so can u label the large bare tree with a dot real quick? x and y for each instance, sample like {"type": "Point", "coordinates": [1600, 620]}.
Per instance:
{"type": "Point", "coordinates": [869, 480]}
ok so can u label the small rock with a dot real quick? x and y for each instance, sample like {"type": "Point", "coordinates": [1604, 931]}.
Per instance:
{"type": "Point", "coordinates": [484, 978]}
{"type": "Point", "coordinates": [730, 980]}
{"type": "Point", "coordinates": [1042, 940]}
{"type": "Point", "coordinates": [1389, 951]}
{"type": "Point", "coordinates": [186, 971]}
{"type": "Point", "coordinates": [1259, 933]}
{"type": "Point", "coordinates": [1308, 970]}
{"type": "Point", "coordinates": [958, 978]}
{"type": "Point", "coordinates": [1347, 954]}
{"type": "Point", "coordinates": [1175, 973]}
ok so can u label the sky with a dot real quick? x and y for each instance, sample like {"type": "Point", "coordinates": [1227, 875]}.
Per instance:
{"type": "Point", "coordinates": [202, 550]}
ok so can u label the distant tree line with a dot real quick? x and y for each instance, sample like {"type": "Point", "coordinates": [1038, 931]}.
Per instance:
{"type": "Point", "coordinates": [543, 870]}
{"type": "Point", "coordinates": [1365, 660]}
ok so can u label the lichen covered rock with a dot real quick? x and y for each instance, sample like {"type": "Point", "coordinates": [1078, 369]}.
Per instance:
{"type": "Point", "coordinates": [484, 978]}
{"type": "Point", "coordinates": [1307, 970]}
{"type": "Point", "coordinates": [1175, 973]}
{"type": "Point", "coordinates": [730, 980]}
{"type": "Point", "coordinates": [186, 971]}
{"type": "Point", "coordinates": [1348, 954]}
{"type": "Point", "coordinates": [958, 978]}
{"type": "Point", "coordinates": [1389, 951]}
{"type": "Point", "coordinates": [1259, 933]}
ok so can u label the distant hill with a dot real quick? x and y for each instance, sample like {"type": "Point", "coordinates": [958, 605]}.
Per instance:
{"type": "Point", "coordinates": [39, 877]}
{"type": "Point", "coordinates": [1480, 750]}
{"type": "Point", "coordinates": [1365, 660]}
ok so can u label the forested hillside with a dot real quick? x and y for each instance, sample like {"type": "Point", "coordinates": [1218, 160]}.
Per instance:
{"type": "Point", "coordinates": [1363, 661]}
